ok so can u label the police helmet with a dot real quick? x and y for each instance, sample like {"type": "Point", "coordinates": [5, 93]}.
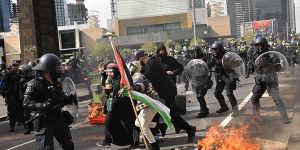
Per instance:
{"type": "Point", "coordinates": [48, 63]}
{"type": "Point", "coordinates": [217, 46]}
{"type": "Point", "coordinates": [262, 42]}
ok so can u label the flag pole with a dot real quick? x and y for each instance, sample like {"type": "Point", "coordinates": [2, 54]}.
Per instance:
{"type": "Point", "coordinates": [131, 99]}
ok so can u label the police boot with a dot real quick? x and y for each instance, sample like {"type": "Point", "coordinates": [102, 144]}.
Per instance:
{"type": "Point", "coordinates": [256, 110]}
{"type": "Point", "coordinates": [284, 115]}
{"type": "Point", "coordinates": [235, 111]}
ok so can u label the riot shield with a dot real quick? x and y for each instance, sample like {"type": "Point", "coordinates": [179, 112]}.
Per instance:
{"type": "Point", "coordinates": [69, 88]}
{"type": "Point", "coordinates": [196, 72]}
{"type": "Point", "coordinates": [270, 62]}
{"type": "Point", "coordinates": [233, 65]}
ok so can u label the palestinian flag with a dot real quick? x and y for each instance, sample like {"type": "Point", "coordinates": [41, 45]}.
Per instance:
{"type": "Point", "coordinates": [125, 74]}
{"type": "Point", "coordinates": [162, 109]}
{"type": "Point", "coordinates": [126, 80]}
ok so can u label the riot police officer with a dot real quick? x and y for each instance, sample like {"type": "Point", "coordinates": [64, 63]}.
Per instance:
{"type": "Point", "coordinates": [45, 98]}
{"type": "Point", "coordinates": [196, 71]}
{"type": "Point", "coordinates": [13, 101]}
{"type": "Point", "coordinates": [223, 80]}
{"type": "Point", "coordinates": [26, 75]}
{"type": "Point", "coordinates": [266, 81]}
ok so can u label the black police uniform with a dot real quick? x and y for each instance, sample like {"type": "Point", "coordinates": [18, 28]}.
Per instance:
{"type": "Point", "coordinates": [200, 88]}
{"type": "Point", "coordinates": [13, 100]}
{"type": "Point", "coordinates": [223, 81]}
{"type": "Point", "coordinates": [45, 100]}
{"type": "Point", "coordinates": [267, 81]}
{"type": "Point", "coordinates": [27, 75]}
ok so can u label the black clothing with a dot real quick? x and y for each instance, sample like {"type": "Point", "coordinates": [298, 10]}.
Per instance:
{"type": "Point", "coordinates": [224, 81]}
{"type": "Point", "coordinates": [166, 89]}
{"type": "Point", "coordinates": [268, 80]}
{"type": "Point", "coordinates": [170, 64]}
{"type": "Point", "coordinates": [25, 78]}
{"type": "Point", "coordinates": [46, 100]}
{"type": "Point", "coordinates": [14, 102]}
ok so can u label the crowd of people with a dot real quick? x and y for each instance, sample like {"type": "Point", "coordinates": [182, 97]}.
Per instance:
{"type": "Point", "coordinates": [38, 104]}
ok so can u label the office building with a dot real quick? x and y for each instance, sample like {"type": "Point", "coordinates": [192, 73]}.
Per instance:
{"type": "Point", "coordinates": [240, 11]}
{"type": "Point", "coordinates": [62, 17]}
{"type": "Point", "coordinates": [4, 15]}
{"type": "Point", "coordinates": [77, 13]}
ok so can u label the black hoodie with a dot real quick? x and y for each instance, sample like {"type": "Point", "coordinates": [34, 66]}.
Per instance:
{"type": "Point", "coordinates": [169, 64]}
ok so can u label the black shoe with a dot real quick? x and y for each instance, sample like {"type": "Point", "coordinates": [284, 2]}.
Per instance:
{"type": "Point", "coordinates": [202, 114]}
{"type": "Point", "coordinates": [11, 130]}
{"type": "Point", "coordinates": [103, 143]}
{"type": "Point", "coordinates": [154, 146]}
{"type": "Point", "coordinates": [222, 110]}
{"type": "Point", "coordinates": [191, 134]}
{"type": "Point", "coordinates": [163, 129]}
{"type": "Point", "coordinates": [177, 130]}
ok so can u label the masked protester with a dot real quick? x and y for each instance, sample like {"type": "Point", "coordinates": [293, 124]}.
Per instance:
{"type": "Point", "coordinates": [223, 80]}
{"type": "Point", "coordinates": [119, 120]}
{"type": "Point", "coordinates": [169, 64]}
{"type": "Point", "coordinates": [13, 100]}
{"type": "Point", "coordinates": [44, 97]}
{"type": "Point", "coordinates": [164, 85]}
{"type": "Point", "coordinates": [267, 80]}
{"type": "Point", "coordinates": [26, 75]}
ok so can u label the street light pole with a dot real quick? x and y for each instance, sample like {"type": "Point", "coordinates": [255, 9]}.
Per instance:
{"type": "Point", "coordinates": [194, 22]}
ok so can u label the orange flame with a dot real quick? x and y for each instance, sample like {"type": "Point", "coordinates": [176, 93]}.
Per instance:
{"type": "Point", "coordinates": [95, 110]}
{"type": "Point", "coordinates": [234, 138]}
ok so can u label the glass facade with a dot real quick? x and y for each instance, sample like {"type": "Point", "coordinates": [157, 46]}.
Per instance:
{"type": "Point", "coordinates": [153, 28]}
{"type": "Point", "coordinates": [60, 7]}
{"type": "Point", "coordinates": [4, 15]}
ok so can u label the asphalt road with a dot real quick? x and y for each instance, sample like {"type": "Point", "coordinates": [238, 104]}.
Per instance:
{"type": "Point", "coordinates": [268, 131]}
{"type": "Point", "coordinates": [85, 135]}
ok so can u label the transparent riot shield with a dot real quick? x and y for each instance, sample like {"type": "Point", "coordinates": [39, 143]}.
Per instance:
{"type": "Point", "coordinates": [196, 72]}
{"type": "Point", "coordinates": [69, 88]}
{"type": "Point", "coordinates": [233, 65]}
{"type": "Point", "coordinates": [270, 62]}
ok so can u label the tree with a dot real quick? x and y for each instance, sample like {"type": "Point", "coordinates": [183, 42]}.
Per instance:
{"type": "Point", "coordinates": [199, 42]}
{"type": "Point", "coordinates": [149, 47]}
{"type": "Point", "coordinates": [178, 47]}
{"type": "Point", "coordinates": [101, 50]}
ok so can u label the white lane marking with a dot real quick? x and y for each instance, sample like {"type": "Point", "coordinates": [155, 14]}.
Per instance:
{"type": "Point", "coordinates": [225, 122]}
{"type": "Point", "coordinates": [17, 146]}
{"type": "Point", "coordinates": [73, 127]}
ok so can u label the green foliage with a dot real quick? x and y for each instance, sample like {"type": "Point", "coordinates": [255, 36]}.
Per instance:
{"type": "Point", "coordinates": [249, 37]}
{"type": "Point", "coordinates": [178, 47]}
{"type": "Point", "coordinates": [149, 47]}
{"type": "Point", "coordinates": [101, 50]}
{"type": "Point", "coordinates": [199, 42]}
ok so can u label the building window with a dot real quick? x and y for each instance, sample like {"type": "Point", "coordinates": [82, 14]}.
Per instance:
{"type": "Point", "coordinates": [135, 30]}
{"type": "Point", "coordinates": [154, 28]}
{"type": "Point", "coordinates": [172, 26]}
